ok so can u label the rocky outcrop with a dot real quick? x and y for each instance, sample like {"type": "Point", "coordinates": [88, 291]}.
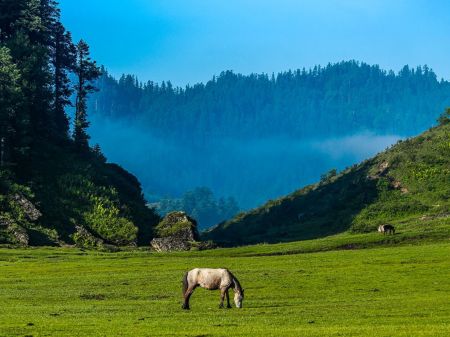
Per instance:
{"type": "Point", "coordinates": [177, 232]}
{"type": "Point", "coordinates": [14, 224]}
{"type": "Point", "coordinates": [170, 244]}
{"type": "Point", "coordinates": [27, 207]}
{"type": "Point", "coordinates": [85, 239]}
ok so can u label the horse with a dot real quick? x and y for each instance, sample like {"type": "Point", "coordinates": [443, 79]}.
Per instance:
{"type": "Point", "coordinates": [386, 229]}
{"type": "Point", "coordinates": [212, 279]}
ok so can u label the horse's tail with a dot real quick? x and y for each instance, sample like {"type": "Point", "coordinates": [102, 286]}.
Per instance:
{"type": "Point", "coordinates": [185, 282]}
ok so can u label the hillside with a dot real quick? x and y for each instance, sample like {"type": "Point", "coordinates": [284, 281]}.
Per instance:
{"type": "Point", "coordinates": [55, 188]}
{"type": "Point", "coordinates": [407, 185]}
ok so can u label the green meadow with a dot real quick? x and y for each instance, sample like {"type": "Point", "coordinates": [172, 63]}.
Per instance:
{"type": "Point", "coordinates": [399, 287]}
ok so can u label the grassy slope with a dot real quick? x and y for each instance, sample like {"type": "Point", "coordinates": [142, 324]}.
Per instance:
{"type": "Point", "coordinates": [407, 185]}
{"type": "Point", "coordinates": [397, 291]}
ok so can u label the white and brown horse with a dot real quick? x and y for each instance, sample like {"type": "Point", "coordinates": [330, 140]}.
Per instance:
{"type": "Point", "coordinates": [212, 279]}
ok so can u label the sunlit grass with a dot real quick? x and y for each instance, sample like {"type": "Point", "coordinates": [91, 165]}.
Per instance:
{"type": "Point", "coordinates": [389, 291]}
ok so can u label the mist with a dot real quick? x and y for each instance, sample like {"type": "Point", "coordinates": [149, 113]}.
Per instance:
{"type": "Point", "coordinates": [250, 171]}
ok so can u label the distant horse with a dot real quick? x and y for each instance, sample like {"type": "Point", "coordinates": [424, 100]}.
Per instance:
{"type": "Point", "coordinates": [386, 229]}
{"type": "Point", "coordinates": [212, 279]}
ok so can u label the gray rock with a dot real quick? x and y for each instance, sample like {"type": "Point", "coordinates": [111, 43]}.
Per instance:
{"type": "Point", "coordinates": [170, 244]}
{"type": "Point", "coordinates": [31, 212]}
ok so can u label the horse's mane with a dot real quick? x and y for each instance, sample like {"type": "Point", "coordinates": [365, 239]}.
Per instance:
{"type": "Point", "coordinates": [236, 283]}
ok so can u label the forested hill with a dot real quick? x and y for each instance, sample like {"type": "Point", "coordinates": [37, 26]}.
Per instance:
{"type": "Point", "coordinates": [257, 137]}
{"type": "Point", "coordinates": [56, 189]}
{"type": "Point", "coordinates": [339, 99]}
{"type": "Point", "coordinates": [408, 186]}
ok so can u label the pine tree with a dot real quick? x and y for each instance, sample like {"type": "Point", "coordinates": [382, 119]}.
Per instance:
{"type": "Point", "coordinates": [29, 40]}
{"type": "Point", "coordinates": [10, 96]}
{"type": "Point", "coordinates": [86, 71]}
{"type": "Point", "coordinates": [63, 61]}
{"type": "Point", "coordinates": [10, 12]}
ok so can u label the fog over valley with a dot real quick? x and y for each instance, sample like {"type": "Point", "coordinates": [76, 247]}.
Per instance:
{"type": "Point", "coordinates": [251, 171]}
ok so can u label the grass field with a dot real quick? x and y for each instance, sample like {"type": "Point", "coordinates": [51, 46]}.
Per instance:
{"type": "Point", "coordinates": [400, 290]}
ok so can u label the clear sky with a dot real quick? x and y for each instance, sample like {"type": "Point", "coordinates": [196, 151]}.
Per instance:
{"type": "Point", "coordinates": [187, 41]}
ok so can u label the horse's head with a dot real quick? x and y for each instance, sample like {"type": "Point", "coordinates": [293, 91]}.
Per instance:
{"type": "Point", "coordinates": [238, 298]}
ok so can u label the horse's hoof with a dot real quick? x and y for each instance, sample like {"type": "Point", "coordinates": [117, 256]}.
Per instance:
{"type": "Point", "coordinates": [220, 306]}
{"type": "Point", "coordinates": [229, 307]}
{"type": "Point", "coordinates": [184, 307]}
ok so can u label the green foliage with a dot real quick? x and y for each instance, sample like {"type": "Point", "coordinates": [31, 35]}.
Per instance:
{"type": "Point", "coordinates": [105, 220]}
{"type": "Point", "coordinates": [445, 117]}
{"type": "Point", "coordinates": [168, 226]}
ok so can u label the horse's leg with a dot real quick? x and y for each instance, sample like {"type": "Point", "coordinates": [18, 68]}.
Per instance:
{"type": "Point", "coordinates": [222, 297]}
{"type": "Point", "coordinates": [228, 299]}
{"type": "Point", "coordinates": [187, 296]}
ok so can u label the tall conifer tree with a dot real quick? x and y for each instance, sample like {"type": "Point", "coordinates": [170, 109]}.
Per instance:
{"type": "Point", "coordinates": [63, 61]}
{"type": "Point", "coordinates": [86, 71]}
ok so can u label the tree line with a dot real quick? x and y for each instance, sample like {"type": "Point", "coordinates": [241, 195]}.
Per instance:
{"type": "Point", "coordinates": [202, 205]}
{"type": "Point", "coordinates": [338, 99]}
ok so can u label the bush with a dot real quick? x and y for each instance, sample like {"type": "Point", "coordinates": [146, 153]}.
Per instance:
{"type": "Point", "coordinates": [105, 220]}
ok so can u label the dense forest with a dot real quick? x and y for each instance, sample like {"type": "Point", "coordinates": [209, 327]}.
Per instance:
{"type": "Point", "coordinates": [336, 100]}
{"type": "Point", "coordinates": [55, 188]}
{"type": "Point", "coordinates": [257, 137]}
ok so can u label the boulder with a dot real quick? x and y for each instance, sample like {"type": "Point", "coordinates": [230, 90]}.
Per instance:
{"type": "Point", "coordinates": [177, 231]}
{"type": "Point", "coordinates": [170, 244]}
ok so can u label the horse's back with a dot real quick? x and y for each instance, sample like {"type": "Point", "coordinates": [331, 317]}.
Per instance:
{"type": "Point", "coordinates": [210, 278]}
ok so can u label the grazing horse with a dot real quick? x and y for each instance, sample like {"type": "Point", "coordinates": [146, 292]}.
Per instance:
{"type": "Point", "coordinates": [386, 229]}
{"type": "Point", "coordinates": [212, 279]}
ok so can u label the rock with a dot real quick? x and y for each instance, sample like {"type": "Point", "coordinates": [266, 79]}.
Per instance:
{"type": "Point", "coordinates": [31, 212]}
{"type": "Point", "coordinates": [170, 244]}
{"type": "Point", "coordinates": [382, 171]}
{"type": "Point", "coordinates": [177, 231]}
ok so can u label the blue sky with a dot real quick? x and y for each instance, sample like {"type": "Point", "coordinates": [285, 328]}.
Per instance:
{"type": "Point", "coordinates": [187, 41]}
